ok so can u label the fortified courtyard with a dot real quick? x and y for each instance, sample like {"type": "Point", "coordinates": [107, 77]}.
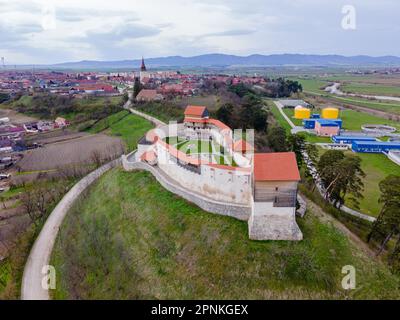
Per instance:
{"type": "Point", "coordinates": [203, 161]}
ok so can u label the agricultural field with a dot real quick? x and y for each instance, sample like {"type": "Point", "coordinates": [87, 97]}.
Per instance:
{"type": "Point", "coordinates": [313, 85]}
{"type": "Point", "coordinates": [210, 101]}
{"type": "Point", "coordinates": [15, 117]}
{"type": "Point", "coordinates": [357, 85]}
{"type": "Point", "coordinates": [75, 151]}
{"type": "Point", "coordinates": [158, 246]}
{"type": "Point", "coordinates": [370, 89]}
{"type": "Point", "coordinates": [391, 107]}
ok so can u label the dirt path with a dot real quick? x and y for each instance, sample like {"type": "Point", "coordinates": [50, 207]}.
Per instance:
{"type": "Point", "coordinates": [323, 216]}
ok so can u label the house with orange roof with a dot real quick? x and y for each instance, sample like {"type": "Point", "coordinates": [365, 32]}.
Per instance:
{"type": "Point", "coordinates": [146, 95]}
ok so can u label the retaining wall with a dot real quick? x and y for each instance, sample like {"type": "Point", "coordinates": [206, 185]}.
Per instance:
{"type": "Point", "coordinates": [240, 212]}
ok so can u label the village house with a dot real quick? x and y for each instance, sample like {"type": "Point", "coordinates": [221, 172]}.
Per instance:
{"type": "Point", "coordinates": [146, 95]}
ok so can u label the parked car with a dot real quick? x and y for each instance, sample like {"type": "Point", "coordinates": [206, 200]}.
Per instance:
{"type": "Point", "coordinates": [4, 176]}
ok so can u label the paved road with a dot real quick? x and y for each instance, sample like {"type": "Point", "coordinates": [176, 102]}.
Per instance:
{"type": "Point", "coordinates": [40, 254]}
{"type": "Point", "coordinates": [334, 89]}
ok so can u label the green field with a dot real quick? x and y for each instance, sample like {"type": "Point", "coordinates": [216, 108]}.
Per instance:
{"type": "Point", "coordinates": [376, 167]}
{"type": "Point", "coordinates": [353, 120]}
{"type": "Point", "coordinates": [290, 113]}
{"type": "Point", "coordinates": [371, 89]}
{"type": "Point", "coordinates": [312, 85]}
{"type": "Point", "coordinates": [123, 124]}
{"type": "Point", "coordinates": [391, 107]}
{"type": "Point", "coordinates": [279, 117]}
{"type": "Point", "coordinates": [139, 241]}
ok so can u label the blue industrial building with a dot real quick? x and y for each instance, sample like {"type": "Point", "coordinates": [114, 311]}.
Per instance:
{"type": "Point", "coordinates": [310, 123]}
{"type": "Point", "coordinates": [374, 146]}
{"type": "Point", "coordinates": [350, 139]}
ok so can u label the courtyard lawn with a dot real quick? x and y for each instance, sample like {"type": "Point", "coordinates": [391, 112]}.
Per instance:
{"type": "Point", "coordinates": [196, 146]}
{"type": "Point", "coordinates": [139, 241]}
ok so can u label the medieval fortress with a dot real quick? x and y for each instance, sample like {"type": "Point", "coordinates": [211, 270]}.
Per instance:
{"type": "Point", "coordinates": [202, 161]}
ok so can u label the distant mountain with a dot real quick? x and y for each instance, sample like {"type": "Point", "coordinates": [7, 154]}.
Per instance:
{"type": "Point", "coordinates": [224, 60]}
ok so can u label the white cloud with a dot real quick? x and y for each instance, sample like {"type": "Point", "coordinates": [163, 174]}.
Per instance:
{"type": "Point", "coordinates": [126, 29]}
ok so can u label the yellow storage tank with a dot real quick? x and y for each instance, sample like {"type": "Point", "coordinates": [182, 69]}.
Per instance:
{"type": "Point", "coordinates": [330, 113]}
{"type": "Point", "coordinates": [302, 113]}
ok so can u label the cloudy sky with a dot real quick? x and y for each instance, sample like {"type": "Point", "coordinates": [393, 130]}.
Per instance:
{"type": "Point", "coordinates": [51, 31]}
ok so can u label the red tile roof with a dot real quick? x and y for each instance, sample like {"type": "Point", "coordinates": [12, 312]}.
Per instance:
{"type": "Point", "coordinates": [280, 166]}
{"type": "Point", "coordinates": [214, 122]}
{"type": "Point", "coordinates": [147, 94]}
{"type": "Point", "coordinates": [242, 146]}
{"type": "Point", "coordinates": [148, 156]}
{"type": "Point", "coordinates": [179, 154]}
{"type": "Point", "coordinates": [195, 111]}
{"type": "Point", "coordinates": [218, 124]}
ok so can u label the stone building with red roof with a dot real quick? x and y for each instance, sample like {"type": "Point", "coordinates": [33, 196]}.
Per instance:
{"type": "Point", "coordinates": [258, 187]}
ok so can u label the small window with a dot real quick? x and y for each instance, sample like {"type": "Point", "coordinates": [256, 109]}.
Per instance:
{"type": "Point", "coordinates": [276, 188]}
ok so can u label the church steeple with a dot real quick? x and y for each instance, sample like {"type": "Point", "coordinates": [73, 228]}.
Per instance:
{"type": "Point", "coordinates": [143, 66]}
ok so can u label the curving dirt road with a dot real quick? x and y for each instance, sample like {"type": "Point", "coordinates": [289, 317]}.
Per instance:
{"type": "Point", "coordinates": [40, 254]}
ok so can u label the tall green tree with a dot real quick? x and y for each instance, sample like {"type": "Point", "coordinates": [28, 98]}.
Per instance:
{"type": "Point", "coordinates": [341, 176]}
{"type": "Point", "coordinates": [388, 223]}
{"type": "Point", "coordinates": [225, 114]}
{"type": "Point", "coordinates": [277, 139]}
{"type": "Point", "coordinates": [137, 86]}
{"type": "Point", "coordinates": [297, 144]}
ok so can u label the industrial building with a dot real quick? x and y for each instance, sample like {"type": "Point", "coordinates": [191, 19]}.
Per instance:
{"type": "Point", "coordinates": [374, 146]}
{"type": "Point", "coordinates": [326, 128]}
{"type": "Point", "coordinates": [350, 139]}
{"type": "Point", "coordinates": [310, 123]}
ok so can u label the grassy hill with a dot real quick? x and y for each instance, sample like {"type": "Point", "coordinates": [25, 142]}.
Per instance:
{"type": "Point", "coordinates": [128, 126]}
{"type": "Point", "coordinates": [132, 239]}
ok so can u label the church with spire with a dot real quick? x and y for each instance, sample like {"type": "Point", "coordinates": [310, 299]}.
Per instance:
{"type": "Point", "coordinates": [144, 74]}
{"type": "Point", "coordinates": [143, 66]}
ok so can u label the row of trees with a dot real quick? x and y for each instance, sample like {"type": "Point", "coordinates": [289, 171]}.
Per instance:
{"type": "Point", "coordinates": [248, 115]}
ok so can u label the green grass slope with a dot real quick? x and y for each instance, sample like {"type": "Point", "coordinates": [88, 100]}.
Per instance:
{"type": "Point", "coordinates": [132, 239]}
{"type": "Point", "coordinates": [123, 124]}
